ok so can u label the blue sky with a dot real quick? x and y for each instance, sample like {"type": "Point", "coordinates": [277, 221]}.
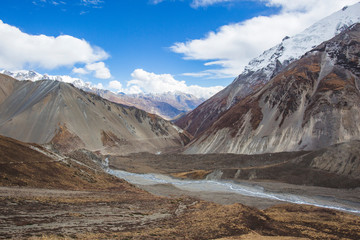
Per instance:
{"type": "Point", "coordinates": [194, 46]}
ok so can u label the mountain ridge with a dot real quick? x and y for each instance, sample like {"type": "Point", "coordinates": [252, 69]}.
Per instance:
{"type": "Point", "coordinates": [261, 69]}
{"type": "Point", "coordinates": [55, 112]}
{"type": "Point", "coordinates": [168, 105]}
{"type": "Point", "coordinates": [313, 103]}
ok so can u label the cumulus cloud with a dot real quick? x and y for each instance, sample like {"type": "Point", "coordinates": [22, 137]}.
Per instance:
{"type": "Point", "coordinates": [99, 86]}
{"type": "Point", "coordinates": [116, 85]}
{"type": "Point", "coordinates": [99, 69]}
{"type": "Point", "coordinates": [143, 81]}
{"type": "Point", "coordinates": [79, 70]}
{"type": "Point", "coordinates": [232, 46]}
{"type": "Point", "coordinates": [22, 50]}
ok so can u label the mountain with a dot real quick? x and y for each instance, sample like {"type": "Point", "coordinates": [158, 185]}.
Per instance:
{"type": "Point", "coordinates": [167, 105]}
{"type": "Point", "coordinates": [313, 103]}
{"type": "Point", "coordinates": [58, 113]}
{"type": "Point", "coordinates": [261, 69]}
{"type": "Point", "coordinates": [33, 76]}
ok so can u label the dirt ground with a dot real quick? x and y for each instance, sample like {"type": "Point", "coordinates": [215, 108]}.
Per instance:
{"type": "Point", "coordinates": [29, 212]}
{"type": "Point", "coordinates": [33, 213]}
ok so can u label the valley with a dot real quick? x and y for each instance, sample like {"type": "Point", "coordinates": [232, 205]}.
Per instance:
{"type": "Point", "coordinates": [274, 155]}
{"type": "Point", "coordinates": [46, 195]}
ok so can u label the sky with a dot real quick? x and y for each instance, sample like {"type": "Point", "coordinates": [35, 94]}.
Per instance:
{"type": "Point", "coordinates": [133, 46]}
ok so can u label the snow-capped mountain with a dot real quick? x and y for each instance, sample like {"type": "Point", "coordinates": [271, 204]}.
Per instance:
{"type": "Point", "coordinates": [34, 76]}
{"type": "Point", "coordinates": [261, 69]}
{"type": "Point", "coordinates": [292, 48]}
{"type": "Point", "coordinates": [312, 103]}
{"type": "Point", "coordinates": [167, 105]}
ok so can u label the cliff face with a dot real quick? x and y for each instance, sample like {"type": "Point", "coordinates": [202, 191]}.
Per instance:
{"type": "Point", "coordinates": [312, 103]}
{"type": "Point", "coordinates": [69, 118]}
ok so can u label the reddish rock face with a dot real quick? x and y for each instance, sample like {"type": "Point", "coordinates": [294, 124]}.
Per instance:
{"type": "Point", "coordinates": [312, 103]}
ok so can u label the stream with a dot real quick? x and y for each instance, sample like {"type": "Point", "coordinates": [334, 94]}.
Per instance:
{"type": "Point", "coordinates": [222, 186]}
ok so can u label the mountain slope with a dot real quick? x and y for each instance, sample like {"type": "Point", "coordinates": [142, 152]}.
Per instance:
{"type": "Point", "coordinates": [313, 103]}
{"type": "Point", "coordinates": [261, 69]}
{"type": "Point", "coordinates": [58, 113]}
{"type": "Point", "coordinates": [31, 165]}
{"type": "Point", "coordinates": [167, 105]}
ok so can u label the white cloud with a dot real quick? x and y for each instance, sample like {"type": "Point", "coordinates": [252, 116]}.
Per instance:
{"type": "Point", "coordinates": [20, 50]}
{"type": "Point", "coordinates": [116, 85]}
{"type": "Point", "coordinates": [146, 82]}
{"type": "Point", "coordinates": [101, 71]}
{"type": "Point", "coordinates": [204, 3]}
{"type": "Point", "coordinates": [94, 3]}
{"type": "Point", "coordinates": [99, 86]}
{"type": "Point", "coordinates": [79, 70]}
{"type": "Point", "coordinates": [199, 74]}
{"type": "Point", "coordinates": [157, 1]}
{"type": "Point", "coordinates": [143, 81]}
{"type": "Point", "coordinates": [232, 46]}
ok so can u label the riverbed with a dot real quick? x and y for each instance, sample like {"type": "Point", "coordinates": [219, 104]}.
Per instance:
{"type": "Point", "coordinates": [255, 194]}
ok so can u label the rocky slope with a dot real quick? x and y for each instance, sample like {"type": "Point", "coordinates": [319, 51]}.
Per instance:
{"type": "Point", "coordinates": [166, 105]}
{"type": "Point", "coordinates": [261, 69]}
{"type": "Point", "coordinates": [31, 165]}
{"type": "Point", "coordinates": [312, 103]}
{"type": "Point", "coordinates": [341, 159]}
{"type": "Point", "coordinates": [58, 113]}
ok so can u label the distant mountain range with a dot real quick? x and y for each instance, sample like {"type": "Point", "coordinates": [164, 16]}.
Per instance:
{"type": "Point", "coordinates": [167, 105]}
{"type": "Point", "coordinates": [57, 113]}
{"type": "Point", "coordinates": [263, 68]}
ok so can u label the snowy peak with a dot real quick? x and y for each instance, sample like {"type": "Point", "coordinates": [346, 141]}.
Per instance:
{"type": "Point", "coordinates": [23, 75]}
{"type": "Point", "coordinates": [261, 69]}
{"type": "Point", "coordinates": [292, 48]}
{"type": "Point", "coordinates": [312, 103]}
{"type": "Point", "coordinates": [34, 76]}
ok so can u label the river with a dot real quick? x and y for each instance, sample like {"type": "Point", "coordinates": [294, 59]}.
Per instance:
{"type": "Point", "coordinates": [222, 186]}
